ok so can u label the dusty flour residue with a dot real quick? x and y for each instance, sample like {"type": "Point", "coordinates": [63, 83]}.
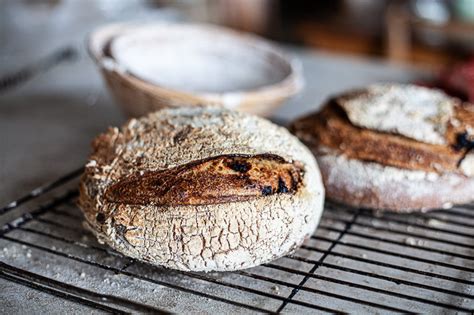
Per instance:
{"type": "Point", "coordinates": [467, 164]}
{"type": "Point", "coordinates": [415, 112]}
{"type": "Point", "coordinates": [394, 185]}
{"type": "Point", "coordinates": [198, 59]}
{"type": "Point", "coordinates": [361, 175]}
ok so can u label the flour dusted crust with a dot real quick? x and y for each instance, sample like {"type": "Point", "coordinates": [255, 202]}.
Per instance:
{"type": "Point", "coordinates": [412, 111]}
{"type": "Point", "coordinates": [380, 148]}
{"type": "Point", "coordinates": [375, 186]}
{"type": "Point", "coordinates": [467, 165]}
{"type": "Point", "coordinates": [196, 235]}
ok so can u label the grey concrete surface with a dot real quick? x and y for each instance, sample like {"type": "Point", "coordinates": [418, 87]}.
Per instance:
{"type": "Point", "coordinates": [20, 299]}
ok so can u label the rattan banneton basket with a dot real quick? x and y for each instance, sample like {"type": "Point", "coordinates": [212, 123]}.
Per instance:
{"type": "Point", "coordinates": [138, 96]}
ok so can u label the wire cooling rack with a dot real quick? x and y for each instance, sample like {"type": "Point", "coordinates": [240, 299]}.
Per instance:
{"type": "Point", "coordinates": [357, 261]}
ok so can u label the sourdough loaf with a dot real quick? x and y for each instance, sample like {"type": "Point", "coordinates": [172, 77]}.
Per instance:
{"type": "Point", "coordinates": [202, 189]}
{"type": "Point", "coordinates": [395, 147]}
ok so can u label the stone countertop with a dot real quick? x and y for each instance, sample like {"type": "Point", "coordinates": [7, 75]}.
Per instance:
{"type": "Point", "coordinates": [48, 121]}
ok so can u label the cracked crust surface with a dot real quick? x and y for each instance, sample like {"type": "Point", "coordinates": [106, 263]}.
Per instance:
{"type": "Point", "coordinates": [204, 232]}
{"type": "Point", "coordinates": [371, 168]}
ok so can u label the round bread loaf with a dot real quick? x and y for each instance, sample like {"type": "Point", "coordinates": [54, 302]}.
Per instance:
{"type": "Point", "coordinates": [202, 189]}
{"type": "Point", "coordinates": [393, 147]}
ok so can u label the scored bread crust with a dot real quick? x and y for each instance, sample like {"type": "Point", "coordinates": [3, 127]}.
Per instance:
{"type": "Point", "coordinates": [376, 169]}
{"type": "Point", "coordinates": [208, 237]}
{"type": "Point", "coordinates": [330, 127]}
{"type": "Point", "coordinates": [372, 185]}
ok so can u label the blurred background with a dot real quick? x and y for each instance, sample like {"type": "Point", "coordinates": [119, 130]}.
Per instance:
{"type": "Point", "coordinates": [422, 32]}
{"type": "Point", "coordinates": [434, 35]}
{"type": "Point", "coordinates": [425, 33]}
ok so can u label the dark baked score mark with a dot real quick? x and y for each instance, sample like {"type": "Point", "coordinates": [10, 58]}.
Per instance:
{"type": "Point", "coordinates": [463, 142]}
{"type": "Point", "coordinates": [282, 186]}
{"type": "Point", "coordinates": [239, 166]}
{"type": "Point", "coordinates": [100, 217]}
{"type": "Point", "coordinates": [267, 190]}
{"type": "Point", "coordinates": [215, 180]}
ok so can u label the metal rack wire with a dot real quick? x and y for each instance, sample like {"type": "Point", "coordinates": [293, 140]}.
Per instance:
{"type": "Point", "coordinates": [356, 261]}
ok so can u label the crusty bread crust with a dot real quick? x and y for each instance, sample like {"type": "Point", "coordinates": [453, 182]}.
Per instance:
{"type": "Point", "coordinates": [331, 128]}
{"type": "Point", "coordinates": [374, 186]}
{"type": "Point", "coordinates": [220, 179]}
{"type": "Point", "coordinates": [202, 237]}
{"type": "Point", "coordinates": [384, 160]}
